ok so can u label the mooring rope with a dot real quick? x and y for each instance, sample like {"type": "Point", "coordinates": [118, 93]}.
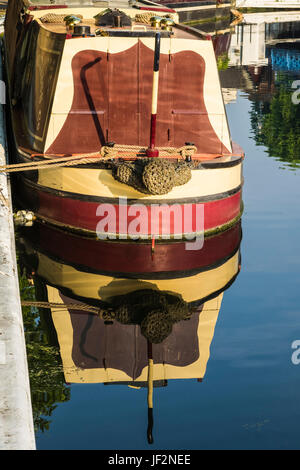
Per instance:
{"type": "Point", "coordinates": [106, 152]}
{"type": "Point", "coordinates": [49, 163]}
{"type": "Point", "coordinates": [83, 307]}
{"type": "Point", "coordinates": [56, 305]}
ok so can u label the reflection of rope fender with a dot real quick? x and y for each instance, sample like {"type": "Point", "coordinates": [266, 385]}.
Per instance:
{"type": "Point", "coordinates": [155, 311]}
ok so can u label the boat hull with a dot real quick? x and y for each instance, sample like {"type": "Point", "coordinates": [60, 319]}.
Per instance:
{"type": "Point", "coordinates": [88, 199]}
{"type": "Point", "coordinates": [91, 92]}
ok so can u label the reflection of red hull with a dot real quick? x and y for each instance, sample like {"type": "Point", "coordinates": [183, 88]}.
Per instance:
{"type": "Point", "coordinates": [135, 258]}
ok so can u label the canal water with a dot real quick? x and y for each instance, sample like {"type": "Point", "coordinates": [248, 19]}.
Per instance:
{"type": "Point", "coordinates": [230, 378]}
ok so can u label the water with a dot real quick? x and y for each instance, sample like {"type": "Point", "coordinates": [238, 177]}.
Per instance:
{"type": "Point", "coordinates": [248, 398]}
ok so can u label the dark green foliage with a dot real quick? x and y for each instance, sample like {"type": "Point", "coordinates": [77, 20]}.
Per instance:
{"type": "Point", "coordinates": [223, 61]}
{"type": "Point", "coordinates": [44, 363]}
{"type": "Point", "coordinates": [277, 126]}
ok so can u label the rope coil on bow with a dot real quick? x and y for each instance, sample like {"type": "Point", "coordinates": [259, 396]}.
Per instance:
{"type": "Point", "coordinates": [106, 152]}
{"type": "Point", "coordinates": [112, 151]}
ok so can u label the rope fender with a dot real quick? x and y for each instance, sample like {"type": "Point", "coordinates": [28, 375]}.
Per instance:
{"type": "Point", "coordinates": [155, 311]}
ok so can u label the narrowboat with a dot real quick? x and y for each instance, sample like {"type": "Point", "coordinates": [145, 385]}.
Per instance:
{"type": "Point", "coordinates": [116, 114]}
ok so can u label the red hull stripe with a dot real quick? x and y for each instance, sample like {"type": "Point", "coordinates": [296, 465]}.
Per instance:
{"type": "Point", "coordinates": [83, 215]}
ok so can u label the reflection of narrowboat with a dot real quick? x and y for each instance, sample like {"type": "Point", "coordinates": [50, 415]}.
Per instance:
{"type": "Point", "coordinates": [178, 293]}
{"type": "Point", "coordinates": [134, 103]}
{"type": "Point", "coordinates": [137, 329]}
{"type": "Point", "coordinates": [190, 300]}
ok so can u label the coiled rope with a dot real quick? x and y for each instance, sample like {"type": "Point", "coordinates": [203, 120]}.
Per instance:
{"type": "Point", "coordinates": [112, 152]}
{"type": "Point", "coordinates": [55, 18]}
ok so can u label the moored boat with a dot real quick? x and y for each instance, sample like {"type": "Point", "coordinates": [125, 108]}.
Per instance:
{"type": "Point", "coordinates": [135, 108]}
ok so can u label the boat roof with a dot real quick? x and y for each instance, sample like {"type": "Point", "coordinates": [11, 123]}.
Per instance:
{"type": "Point", "coordinates": [138, 28]}
{"type": "Point", "coordinates": [89, 3]}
